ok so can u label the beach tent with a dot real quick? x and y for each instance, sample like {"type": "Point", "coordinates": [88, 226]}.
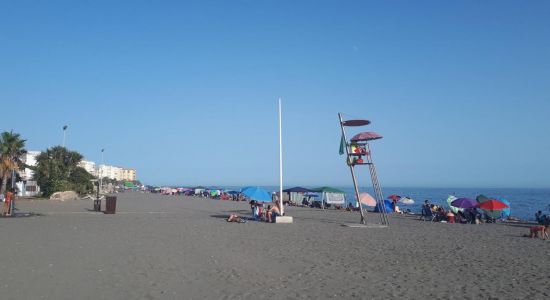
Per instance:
{"type": "Point", "coordinates": [129, 184]}
{"type": "Point", "coordinates": [331, 195]}
{"type": "Point", "coordinates": [199, 189]}
{"type": "Point", "coordinates": [388, 205]}
{"type": "Point", "coordinates": [297, 189]}
{"type": "Point", "coordinates": [296, 194]}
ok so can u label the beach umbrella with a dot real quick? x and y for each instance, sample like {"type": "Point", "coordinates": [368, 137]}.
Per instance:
{"type": "Point", "coordinates": [356, 123]}
{"type": "Point", "coordinates": [367, 199]}
{"type": "Point", "coordinates": [407, 201]}
{"type": "Point", "coordinates": [482, 198]}
{"type": "Point", "coordinates": [256, 193]}
{"type": "Point", "coordinates": [464, 203]}
{"type": "Point", "coordinates": [495, 214]}
{"type": "Point", "coordinates": [493, 205]}
{"type": "Point", "coordinates": [394, 197]}
{"type": "Point", "coordinates": [505, 212]}
{"type": "Point", "coordinates": [366, 136]}
{"type": "Point", "coordinates": [455, 210]}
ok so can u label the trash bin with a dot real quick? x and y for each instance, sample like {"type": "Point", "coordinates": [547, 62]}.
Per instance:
{"type": "Point", "coordinates": [110, 205]}
{"type": "Point", "coordinates": [97, 205]}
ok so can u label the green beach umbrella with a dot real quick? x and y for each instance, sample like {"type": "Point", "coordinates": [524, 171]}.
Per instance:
{"type": "Point", "coordinates": [327, 189]}
{"type": "Point", "coordinates": [495, 214]}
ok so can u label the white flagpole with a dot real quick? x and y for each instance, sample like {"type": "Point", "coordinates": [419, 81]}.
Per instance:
{"type": "Point", "coordinates": [281, 159]}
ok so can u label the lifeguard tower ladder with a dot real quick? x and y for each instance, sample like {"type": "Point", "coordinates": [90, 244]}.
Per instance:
{"type": "Point", "coordinates": [356, 150]}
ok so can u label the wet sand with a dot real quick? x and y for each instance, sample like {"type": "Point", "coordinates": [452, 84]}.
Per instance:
{"type": "Point", "coordinates": [168, 247]}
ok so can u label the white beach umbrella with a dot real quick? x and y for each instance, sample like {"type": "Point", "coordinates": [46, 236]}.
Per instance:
{"type": "Point", "coordinates": [407, 201]}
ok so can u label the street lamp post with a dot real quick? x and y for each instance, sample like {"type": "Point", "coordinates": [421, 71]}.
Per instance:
{"type": "Point", "coordinates": [100, 172]}
{"type": "Point", "coordinates": [64, 134]}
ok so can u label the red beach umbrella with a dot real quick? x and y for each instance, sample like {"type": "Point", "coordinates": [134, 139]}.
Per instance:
{"type": "Point", "coordinates": [493, 205]}
{"type": "Point", "coordinates": [394, 197]}
{"type": "Point", "coordinates": [356, 123]}
{"type": "Point", "coordinates": [366, 136]}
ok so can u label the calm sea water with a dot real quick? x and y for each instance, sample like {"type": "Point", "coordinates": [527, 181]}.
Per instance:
{"type": "Point", "coordinates": [524, 202]}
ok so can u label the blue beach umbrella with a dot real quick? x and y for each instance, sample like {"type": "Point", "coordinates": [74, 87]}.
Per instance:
{"type": "Point", "coordinates": [256, 193]}
{"type": "Point", "coordinates": [505, 212]}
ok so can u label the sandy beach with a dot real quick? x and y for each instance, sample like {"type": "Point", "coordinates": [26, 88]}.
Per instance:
{"type": "Point", "coordinates": [175, 247]}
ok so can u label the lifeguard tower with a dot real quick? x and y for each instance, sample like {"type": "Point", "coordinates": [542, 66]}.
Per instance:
{"type": "Point", "coordinates": [358, 153]}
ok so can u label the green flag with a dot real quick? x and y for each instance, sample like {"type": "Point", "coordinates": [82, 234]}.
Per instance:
{"type": "Point", "coordinates": [342, 145]}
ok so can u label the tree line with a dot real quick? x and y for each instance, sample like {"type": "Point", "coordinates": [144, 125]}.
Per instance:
{"type": "Point", "coordinates": [56, 168]}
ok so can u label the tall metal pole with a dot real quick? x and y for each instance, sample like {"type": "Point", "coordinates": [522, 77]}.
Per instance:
{"type": "Point", "coordinates": [281, 158]}
{"type": "Point", "coordinates": [64, 130]}
{"type": "Point", "coordinates": [363, 220]}
{"type": "Point", "coordinates": [100, 173]}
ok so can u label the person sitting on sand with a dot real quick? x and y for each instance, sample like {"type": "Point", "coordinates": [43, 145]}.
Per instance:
{"type": "Point", "coordinates": [272, 213]}
{"type": "Point", "coordinates": [441, 214]}
{"type": "Point", "coordinates": [235, 219]}
{"type": "Point", "coordinates": [259, 211]}
{"type": "Point", "coordinates": [450, 217]}
{"type": "Point", "coordinates": [396, 209]}
{"type": "Point", "coordinates": [252, 205]}
{"type": "Point", "coordinates": [538, 231]}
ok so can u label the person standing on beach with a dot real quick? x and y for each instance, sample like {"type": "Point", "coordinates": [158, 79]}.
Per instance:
{"type": "Point", "coordinates": [538, 217]}
{"type": "Point", "coordinates": [6, 211]}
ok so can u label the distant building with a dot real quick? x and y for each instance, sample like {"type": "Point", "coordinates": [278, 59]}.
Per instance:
{"type": "Point", "coordinates": [129, 174]}
{"type": "Point", "coordinates": [88, 166]}
{"type": "Point", "coordinates": [29, 159]}
{"type": "Point", "coordinates": [110, 172]}
{"type": "Point", "coordinates": [27, 186]}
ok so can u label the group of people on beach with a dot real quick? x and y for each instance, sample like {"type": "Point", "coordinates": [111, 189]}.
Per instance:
{"type": "Point", "coordinates": [259, 213]}
{"type": "Point", "coordinates": [438, 213]}
{"type": "Point", "coordinates": [8, 202]}
{"type": "Point", "coordinates": [542, 228]}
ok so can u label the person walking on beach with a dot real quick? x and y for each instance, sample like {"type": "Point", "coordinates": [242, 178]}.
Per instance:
{"type": "Point", "coordinates": [6, 210]}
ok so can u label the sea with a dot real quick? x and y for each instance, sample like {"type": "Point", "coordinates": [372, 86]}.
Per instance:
{"type": "Point", "coordinates": [524, 202]}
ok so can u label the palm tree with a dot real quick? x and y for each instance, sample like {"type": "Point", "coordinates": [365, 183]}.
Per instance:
{"type": "Point", "coordinates": [12, 148]}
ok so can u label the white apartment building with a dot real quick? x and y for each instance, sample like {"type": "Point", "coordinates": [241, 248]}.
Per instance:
{"type": "Point", "coordinates": [28, 187]}
{"type": "Point", "coordinates": [111, 172]}
{"type": "Point", "coordinates": [28, 159]}
{"type": "Point", "coordinates": [88, 166]}
{"type": "Point", "coordinates": [129, 174]}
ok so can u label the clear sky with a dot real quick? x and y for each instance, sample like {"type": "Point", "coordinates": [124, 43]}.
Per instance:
{"type": "Point", "coordinates": [185, 91]}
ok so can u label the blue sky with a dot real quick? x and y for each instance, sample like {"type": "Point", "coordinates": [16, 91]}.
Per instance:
{"type": "Point", "coordinates": [186, 91]}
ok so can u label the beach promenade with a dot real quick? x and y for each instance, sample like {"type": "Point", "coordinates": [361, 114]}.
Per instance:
{"type": "Point", "coordinates": [175, 247]}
